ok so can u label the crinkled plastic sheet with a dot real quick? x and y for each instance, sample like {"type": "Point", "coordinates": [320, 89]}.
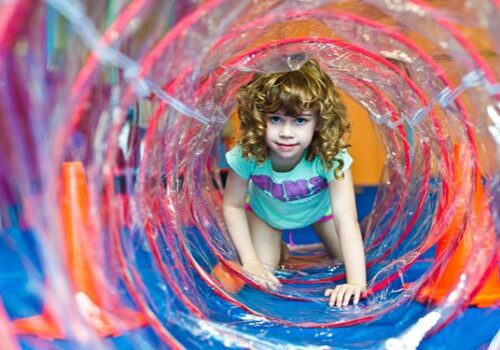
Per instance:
{"type": "Point", "coordinates": [140, 91]}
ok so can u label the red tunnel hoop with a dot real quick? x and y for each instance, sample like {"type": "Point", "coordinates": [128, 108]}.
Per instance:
{"type": "Point", "coordinates": [171, 85]}
{"type": "Point", "coordinates": [207, 83]}
{"type": "Point", "coordinates": [169, 38]}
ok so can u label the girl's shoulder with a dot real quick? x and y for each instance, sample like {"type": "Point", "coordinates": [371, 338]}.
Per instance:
{"type": "Point", "coordinates": [244, 167]}
{"type": "Point", "coordinates": [323, 171]}
{"type": "Point", "coordinates": [237, 153]}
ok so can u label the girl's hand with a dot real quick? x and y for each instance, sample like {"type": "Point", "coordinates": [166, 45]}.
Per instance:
{"type": "Point", "coordinates": [261, 275]}
{"type": "Point", "coordinates": [342, 294]}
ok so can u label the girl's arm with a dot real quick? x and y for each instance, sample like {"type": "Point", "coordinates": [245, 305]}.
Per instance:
{"type": "Point", "coordinates": [237, 224]}
{"type": "Point", "coordinates": [351, 243]}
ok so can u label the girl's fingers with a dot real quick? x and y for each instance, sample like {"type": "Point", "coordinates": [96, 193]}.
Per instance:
{"type": "Point", "coordinates": [340, 296]}
{"type": "Point", "coordinates": [262, 282]}
{"type": "Point", "coordinates": [357, 295]}
{"type": "Point", "coordinates": [269, 283]}
{"type": "Point", "coordinates": [273, 278]}
{"type": "Point", "coordinates": [333, 296]}
{"type": "Point", "coordinates": [347, 296]}
{"type": "Point", "coordinates": [275, 282]}
{"type": "Point", "coordinates": [267, 280]}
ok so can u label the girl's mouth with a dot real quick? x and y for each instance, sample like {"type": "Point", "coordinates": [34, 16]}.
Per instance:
{"type": "Point", "coordinates": [285, 147]}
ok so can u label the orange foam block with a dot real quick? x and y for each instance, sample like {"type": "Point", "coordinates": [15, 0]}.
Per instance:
{"type": "Point", "coordinates": [230, 282]}
{"type": "Point", "coordinates": [101, 310]}
{"type": "Point", "coordinates": [445, 279]}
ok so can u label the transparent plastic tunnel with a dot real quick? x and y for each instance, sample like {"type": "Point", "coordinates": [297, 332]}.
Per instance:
{"type": "Point", "coordinates": [113, 115]}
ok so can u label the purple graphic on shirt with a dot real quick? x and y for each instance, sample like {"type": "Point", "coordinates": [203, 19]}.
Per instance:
{"type": "Point", "coordinates": [277, 191]}
{"type": "Point", "coordinates": [262, 181]}
{"type": "Point", "coordinates": [290, 190]}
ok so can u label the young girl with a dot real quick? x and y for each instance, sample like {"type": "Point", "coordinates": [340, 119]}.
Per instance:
{"type": "Point", "coordinates": [293, 166]}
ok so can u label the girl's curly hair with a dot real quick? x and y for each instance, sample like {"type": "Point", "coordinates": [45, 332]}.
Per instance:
{"type": "Point", "coordinates": [308, 88]}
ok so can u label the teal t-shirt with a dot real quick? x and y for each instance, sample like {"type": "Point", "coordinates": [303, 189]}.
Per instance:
{"type": "Point", "coordinates": [287, 200]}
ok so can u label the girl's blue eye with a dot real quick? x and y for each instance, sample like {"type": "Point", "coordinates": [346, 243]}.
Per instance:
{"type": "Point", "coordinates": [275, 119]}
{"type": "Point", "coordinates": [300, 121]}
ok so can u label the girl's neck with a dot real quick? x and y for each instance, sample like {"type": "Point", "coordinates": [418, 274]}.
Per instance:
{"type": "Point", "coordinates": [281, 165]}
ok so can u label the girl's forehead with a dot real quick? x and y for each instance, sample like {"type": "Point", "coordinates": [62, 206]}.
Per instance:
{"type": "Point", "coordinates": [305, 112]}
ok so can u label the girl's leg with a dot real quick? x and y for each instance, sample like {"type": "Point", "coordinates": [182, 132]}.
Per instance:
{"type": "Point", "coordinates": [266, 241]}
{"type": "Point", "coordinates": [328, 235]}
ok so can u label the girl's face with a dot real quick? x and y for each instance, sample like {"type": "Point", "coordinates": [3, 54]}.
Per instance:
{"type": "Point", "coordinates": [288, 137]}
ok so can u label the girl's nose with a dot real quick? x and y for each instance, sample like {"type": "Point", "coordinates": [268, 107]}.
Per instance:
{"type": "Point", "coordinates": [286, 130]}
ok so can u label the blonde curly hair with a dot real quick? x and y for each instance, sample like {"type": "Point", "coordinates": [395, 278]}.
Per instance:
{"type": "Point", "coordinates": [308, 88]}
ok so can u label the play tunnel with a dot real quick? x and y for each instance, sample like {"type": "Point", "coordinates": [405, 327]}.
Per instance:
{"type": "Point", "coordinates": [114, 118]}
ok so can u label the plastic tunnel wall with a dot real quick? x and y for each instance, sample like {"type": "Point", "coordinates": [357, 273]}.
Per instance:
{"type": "Point", "coordinates": [111, 117]}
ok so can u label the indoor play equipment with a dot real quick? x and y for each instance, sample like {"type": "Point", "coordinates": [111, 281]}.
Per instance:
{"type": "Point", "coordinates": [111, 118]}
